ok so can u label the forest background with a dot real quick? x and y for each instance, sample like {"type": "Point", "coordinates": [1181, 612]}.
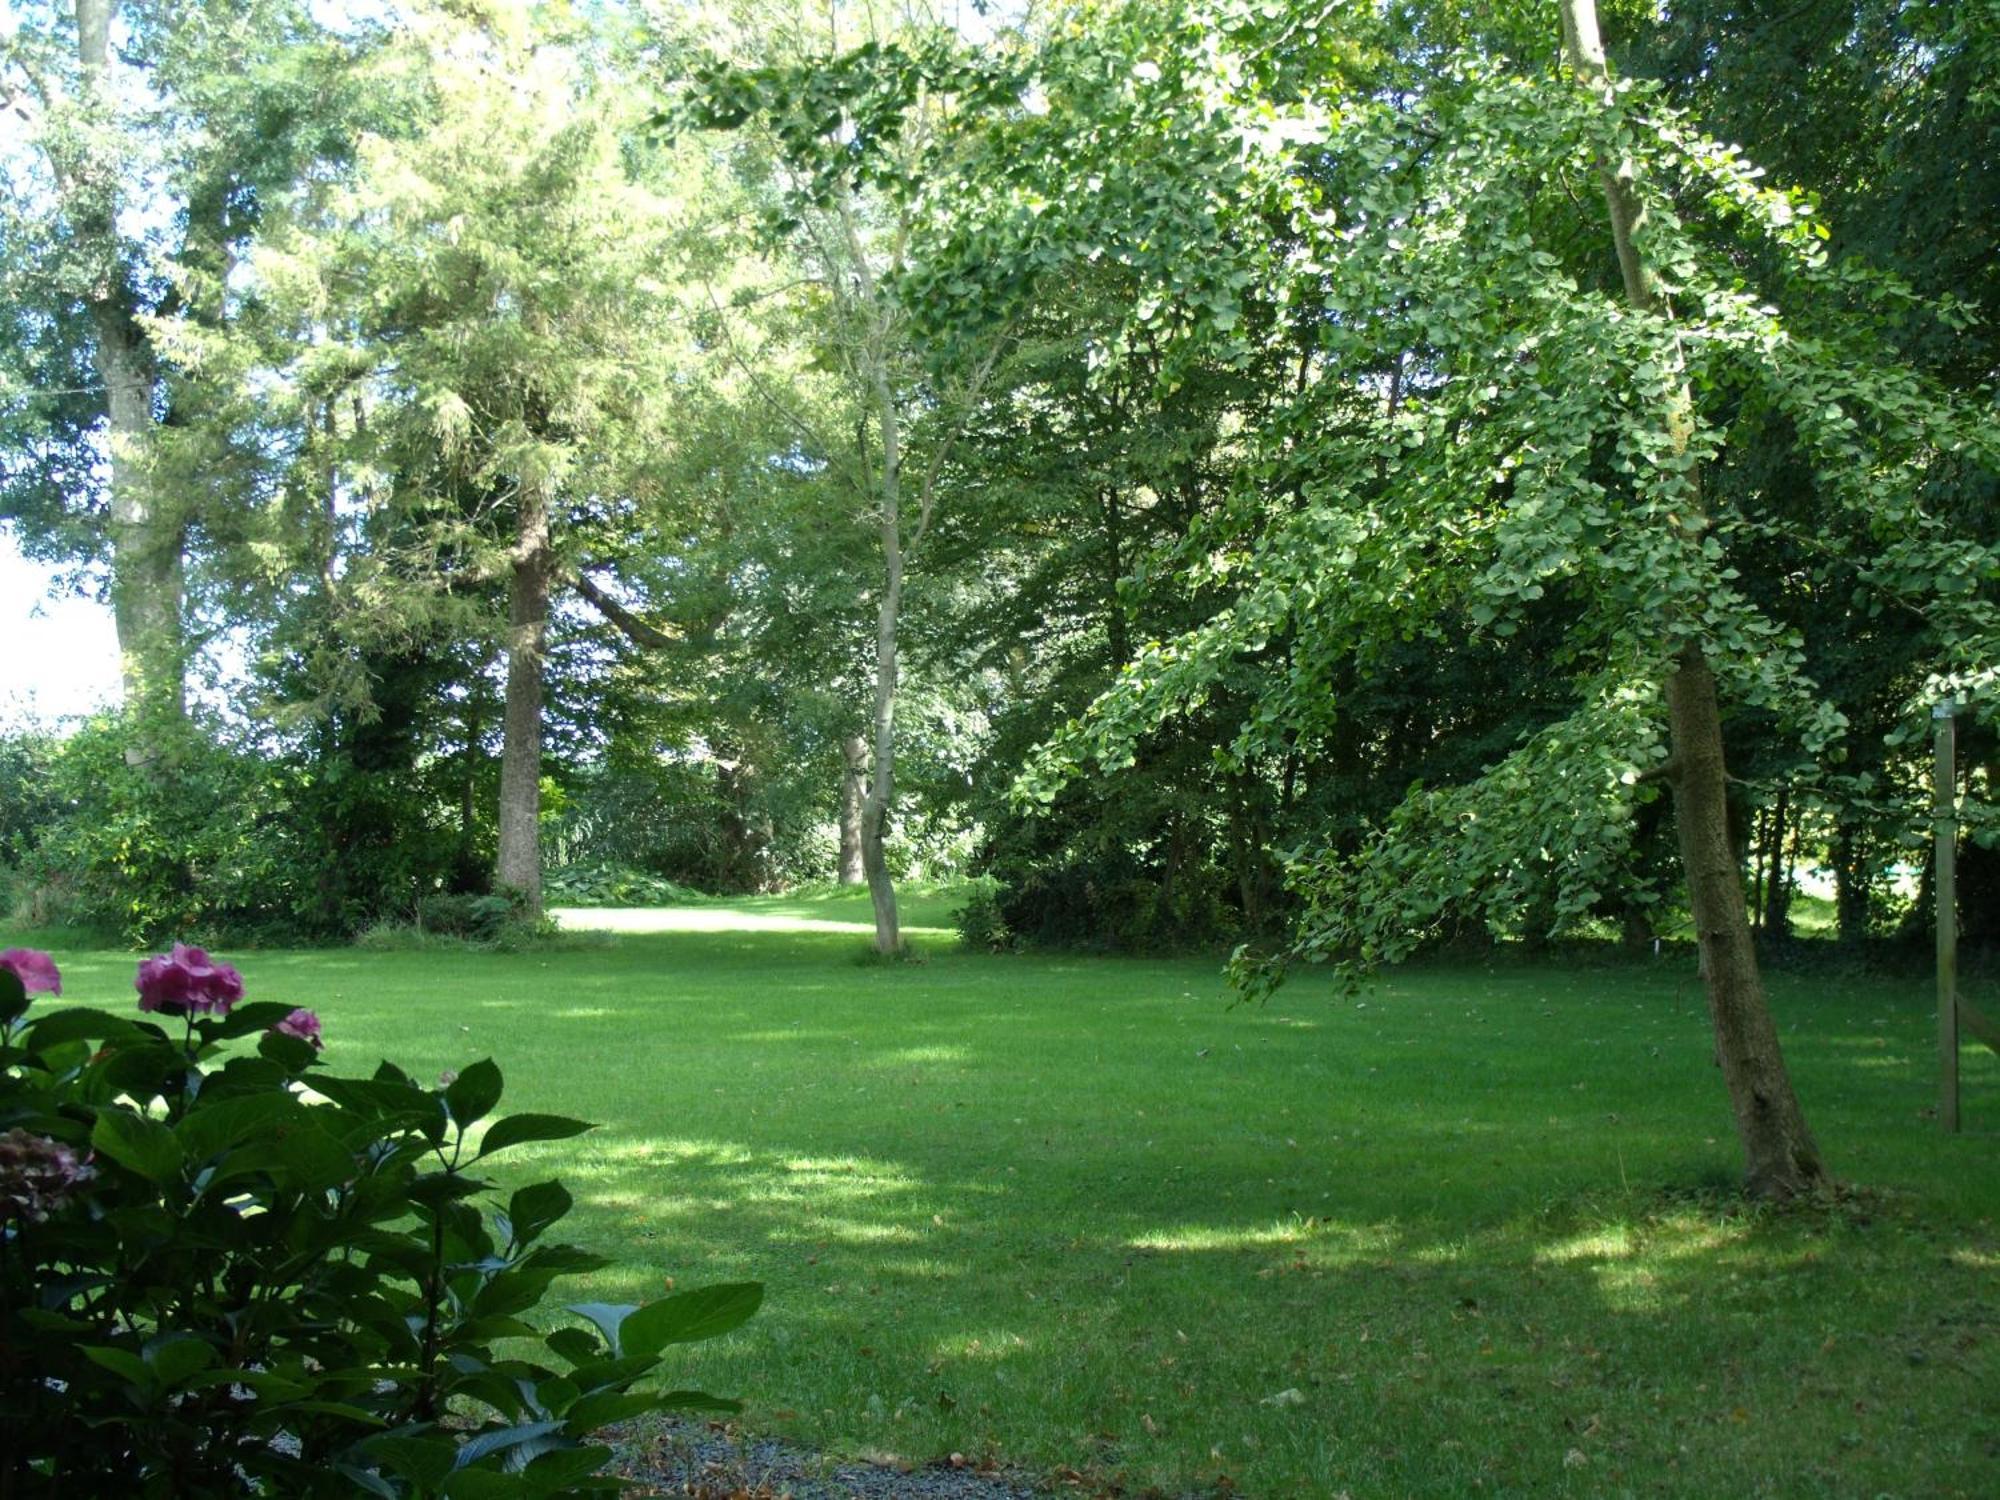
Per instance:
{"type": "Point", "coordinates": [1145, 461]}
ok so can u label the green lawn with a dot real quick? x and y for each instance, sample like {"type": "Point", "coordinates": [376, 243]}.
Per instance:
{"type": "Point", "coordinates": [1463, 1234]}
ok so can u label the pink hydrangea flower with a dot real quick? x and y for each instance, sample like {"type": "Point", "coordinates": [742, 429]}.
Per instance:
{"type": "Point", "coordinates": [302, 1024]}
{"type": "Point", "coordinates": [187, 981]}
{"type": "Point", "coordinates": [35, 969]}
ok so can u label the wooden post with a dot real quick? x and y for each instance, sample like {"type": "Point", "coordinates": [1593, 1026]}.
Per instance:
{"type": "Point", "coordinates": [1944, 886]}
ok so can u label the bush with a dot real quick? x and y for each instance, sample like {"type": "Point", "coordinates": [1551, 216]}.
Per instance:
{"type": "Point", "coordinates": [203, 826]}
{"type": "Point", "coordinates": [979, 921]}
{"type": "Point", "coordinates": [613, 885]}
{"type": "Point", "coordinates": [228, 1271]}
{"type": "Point", "coordinates": [481, 918]}
{"type": "Point", "coordinates": [173, 838]}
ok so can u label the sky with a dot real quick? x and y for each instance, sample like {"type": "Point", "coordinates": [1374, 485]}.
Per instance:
{"type": "Point", "coordinates": [58, 656]}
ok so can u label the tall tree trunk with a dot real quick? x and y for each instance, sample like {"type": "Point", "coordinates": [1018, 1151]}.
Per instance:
{"type": "Point", "coordinates": [147, 544]}
{"type": "Point", "coordinates": [872, 366]}
{"type": "Point", "coordinates": [520, 863]}
{"type": "Point", "coordinates": [1117, 633]}
{"type": "Point", "coordinates": [853, 777]}
{"type": "Point", "coordinates": [1780, 1158]}
{"type": "Point", "coordinates": [1777, 902]}
{"type": "Point", "coordinates": [882, 783]}
{"type": "Point", "coordinates": [1853, 881]}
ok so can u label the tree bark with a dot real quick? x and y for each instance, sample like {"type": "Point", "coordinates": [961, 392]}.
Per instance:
{"type": "Point", "coordinates": [147, 545]}
{"type": "Point", "coordinates": [853, 777]}
{"type": "Point", "coordinates": [1780, 1158]}
{"type": "Point", "coordinates": [872, 362]}
{"type": "Point", "coordinates": [520, 862]}
{"type": "Point", "coordinates": [882, 784]}
{"type": "Point", "coordinates": [1117, 634]}
{"type": "Point", "coordinates": [1853, 881]}
{"type": "Point", "coordinates": [1777, 901]}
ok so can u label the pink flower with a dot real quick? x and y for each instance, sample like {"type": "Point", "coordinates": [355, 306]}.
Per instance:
{"type": "Point", "coordinates": [34, 968]}
{"type": "Point", "coordinates": [187, 981]}
{"type": "Point", "coordinates": [302, 1024]}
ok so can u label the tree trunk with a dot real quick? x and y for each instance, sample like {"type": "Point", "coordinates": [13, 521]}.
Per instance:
{"type": "Point", "coordinates": [1777, 901]}
{"type": "Point", "coordinates": [853, 777]}
{"type": "Point", "coordinates": [520, 863]}
{"type": "Point", "coordinates": [1773, 900]}
{"type": "Point", "coordinates": [1780, 1159]}
{"type": "Point", "coordinates": [147, 546]}
{"type": "Point", "coordinates": [1853, 881]}
{"type": "Point", "coordinates": [882, 784]}
{"type": "Point", "coordinates": [1117, 634]}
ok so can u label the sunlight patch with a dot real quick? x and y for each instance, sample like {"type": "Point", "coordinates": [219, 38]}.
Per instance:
{"type": "Point", "coordinates": [991, 1343]}
{"type": "Point", "coordinates": [934, 1054]}
{"type": "Point", "coordinates": [1613, 1242]}
{"type": "Point", "coordinates": [706, 919]}
{"type": "Point", "coordinates": [1287, 1231]}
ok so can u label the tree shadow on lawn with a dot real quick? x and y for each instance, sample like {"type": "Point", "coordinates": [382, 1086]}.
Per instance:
{"type": "Point", "coordinates": [1592, 1340]}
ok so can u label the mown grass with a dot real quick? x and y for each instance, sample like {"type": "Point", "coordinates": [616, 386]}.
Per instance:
{"type": "Point", "coordinates": [1470, 1233]}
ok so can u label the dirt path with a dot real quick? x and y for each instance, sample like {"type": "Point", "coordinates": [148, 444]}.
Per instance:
{"type": "Point", "coordinates": [707, 1463]}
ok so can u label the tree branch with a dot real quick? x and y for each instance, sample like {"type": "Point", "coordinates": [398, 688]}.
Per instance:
{"type": "Point", "coordinates": [634, 629]}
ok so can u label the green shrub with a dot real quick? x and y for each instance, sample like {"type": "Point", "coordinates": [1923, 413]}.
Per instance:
{"type": "Point", "coordinates": [482, 918]}
{"type": "Point", "coordinates": [206, 826]}
{"type": "Point", "coordinates": [155, 835]}
{"type": "Point", "coordinates": [228, 1271]}
{"type": "Point", "coordinates": [613, 885]}
{"type": "Point", "coordinates": [980, 922]}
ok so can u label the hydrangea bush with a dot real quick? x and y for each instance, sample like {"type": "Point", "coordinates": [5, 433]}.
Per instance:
{"type": "Point", "coordinates": [225, 1270]}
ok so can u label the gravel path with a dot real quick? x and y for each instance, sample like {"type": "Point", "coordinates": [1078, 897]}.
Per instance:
{"type": "Point", "coordinates": [701, 1462]}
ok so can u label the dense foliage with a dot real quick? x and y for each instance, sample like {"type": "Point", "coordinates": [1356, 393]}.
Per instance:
{"type": "Point", "coordinates": [1226, 475]}
{"type": "Point", "coordinates": [227, 1270]}
{"type": "Point", "coordinates": [1124, 333]}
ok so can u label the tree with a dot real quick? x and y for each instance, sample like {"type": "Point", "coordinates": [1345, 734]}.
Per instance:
{"type": "Point", "coordinates": [487, 320]}
{"type": "Point", "coordinates": [158, 140]}
{"type": "Point", "coordinates": [1541, 454]}
{"type": "Point", "coordinates": [859, 144]}
{"type": "Point", "coordinates": [1781, 1157]}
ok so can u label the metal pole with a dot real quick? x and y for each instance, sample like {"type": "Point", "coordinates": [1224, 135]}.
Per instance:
{"type": "Point", "coordinates": [1944, 887]}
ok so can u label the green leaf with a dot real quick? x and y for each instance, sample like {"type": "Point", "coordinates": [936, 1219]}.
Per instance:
{"type": "Point", "coordinates": [367, 1482]}
{"type": "Point", "coordinates": [259, 1015]}
{"type": "Point", "coordinates": [145, 1146]}
{"type": "Point", "coordinates": [13, 996]}
{"type": "Point", "coordinates": [533, 1209]}
{"type": "Point", "coordinates": [559, 1470]}
{"type": "Point", "coordinates": [121, 1362]}
{"type": "Point", "coordinates": [173, 1357]}
{"type": "Point", "coordinates": [691, 1317]}
{"type": "Point", "coordinates": [567, 1260]}
{"type": "Point", "coordinates": [473, 1093]}
{"type": "Point", "coordinates": [517, 1129]}
{"type": "Point", "coordinates": [499, 1441]}
{"type": "Point", "coordinates": [572, 1344]}
{"type": "Point", "coordinates": [227, 1122]}
{"type": "Point", "coordinates": [605, 1407]}
{"type": "Point", "coordinates": [426, 1460]}
{"type": "Point", "coordinates": [86, 1022]}
{"type": "Point", "coordinates": [608, 1316]}
{"type": "Point", "coordinates": [486, 1484]}
{"type": "Point", "coordinates": [270, 1387]}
